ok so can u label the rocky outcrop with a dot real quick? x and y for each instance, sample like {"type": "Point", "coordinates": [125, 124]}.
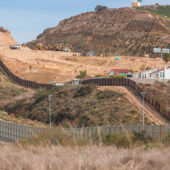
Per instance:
{"type": "Point", "coordinates": [6, 38]}
{"type": "Point", "coordinates": [124, 31]}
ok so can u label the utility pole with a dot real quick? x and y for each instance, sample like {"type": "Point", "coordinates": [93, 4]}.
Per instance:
{"type": "Point", "coordinates": [143, 112]}
{"type": "Point", "coordinates": [50, 100]}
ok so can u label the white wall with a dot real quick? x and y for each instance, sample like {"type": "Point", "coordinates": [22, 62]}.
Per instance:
{"type": "Point", "coordinates": [167, 74]}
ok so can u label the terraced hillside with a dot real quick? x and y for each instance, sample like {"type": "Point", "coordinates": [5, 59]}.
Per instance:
{"type": "Point", "coordinates": [124, 31]}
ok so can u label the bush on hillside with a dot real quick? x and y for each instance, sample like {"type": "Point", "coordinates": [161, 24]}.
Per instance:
{"type": "Point", "coordinates": [100, 8]}
{"type": "Point", "coordinates": [83, 91]}
{"type": "Point", "coordinates": [107, 94]}
{"type": "Point", "coordinates": [82, 74]}
{"type": "Point", "coordinates": [117, 76]}
{"type": "Point", "coordinates": [118, 140]}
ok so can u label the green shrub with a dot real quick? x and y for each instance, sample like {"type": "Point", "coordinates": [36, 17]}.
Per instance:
{"type": "Point", "coordinates": [117, 76]}
{"type": "Point", "coordinates": [84, 91]}
{"type": "Point", "coordinates": [141, 137]}
{"type": "Point", "coordinates": [83, 74]}
{"type": "Point", "coordinates": [166, 140]}
{"type": "Point", "coordinates": [99, 75]}
{"type": "Point", "coordinates": [119, 140]}
{"type": "Point", "coordinates": [107, 94]}
{"type": "Point", "coordinates": [100, 8]}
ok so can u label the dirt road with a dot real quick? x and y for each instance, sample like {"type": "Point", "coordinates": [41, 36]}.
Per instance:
{"type": "Point", "coordinates": [150, 113]}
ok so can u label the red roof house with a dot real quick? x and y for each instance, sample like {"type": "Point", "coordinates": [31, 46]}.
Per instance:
{"type": "Point", "coordinates": [118, 72]}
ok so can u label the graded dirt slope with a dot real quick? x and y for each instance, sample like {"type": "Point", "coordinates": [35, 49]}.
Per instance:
{"type": "Point", "coordinates": [150, 113]}
{"type": "Point", "coordinates": [6, 38]}
{"type": "Point", "coordinates": [45, 66]}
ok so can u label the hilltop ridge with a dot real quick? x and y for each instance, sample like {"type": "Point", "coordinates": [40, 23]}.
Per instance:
{"type": "Point", "coordinates": [124, 31]}
{"type": "Point", "coordinates": [6, 38]}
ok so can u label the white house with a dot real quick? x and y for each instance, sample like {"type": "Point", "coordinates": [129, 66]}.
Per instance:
{"type": "Point", "coordinates": [146, 74]}
{"type": "Point", "coordinates": [161, 74]}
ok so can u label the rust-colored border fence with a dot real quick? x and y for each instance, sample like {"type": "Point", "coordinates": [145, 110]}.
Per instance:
{"type": "Point", "coordinates": [135, 88]}
{"type": "Point", "coordinates": [10, 132]}
{"type": "Point", "coordinates": [21, 82]}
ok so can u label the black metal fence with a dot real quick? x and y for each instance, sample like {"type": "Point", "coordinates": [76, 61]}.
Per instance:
{"type": "Point", "coordinates": [21, 82]}
{"type": "Point", "coordinates": [135, 88]}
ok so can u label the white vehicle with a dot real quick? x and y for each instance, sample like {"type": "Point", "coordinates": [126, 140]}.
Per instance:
{"type": "Point", "coordinates": [15, 47]}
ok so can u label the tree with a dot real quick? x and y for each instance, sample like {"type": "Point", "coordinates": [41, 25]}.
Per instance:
{"type": "Point", "coordinates": [83, 74]}
{"type": "Point", "coordinates": [166, 58]}
{"type": "Point", "coordinates": [100, 8]}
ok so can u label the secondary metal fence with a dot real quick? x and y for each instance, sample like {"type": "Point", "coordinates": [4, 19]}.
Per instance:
{"type": "Point", "coordinates": [13, 132]}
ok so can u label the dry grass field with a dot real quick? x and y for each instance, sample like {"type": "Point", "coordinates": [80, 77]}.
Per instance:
{"type": "Point", "coordinates": [82, 158]}
{"type": "Point", "coordinates": [44, 66]}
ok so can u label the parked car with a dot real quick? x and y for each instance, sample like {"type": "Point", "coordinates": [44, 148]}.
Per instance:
{"type": "Point", "coordinates": [15, 47]}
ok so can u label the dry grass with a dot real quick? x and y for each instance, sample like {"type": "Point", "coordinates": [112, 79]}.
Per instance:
{"type": "Point", "coordinates": [82, 158]}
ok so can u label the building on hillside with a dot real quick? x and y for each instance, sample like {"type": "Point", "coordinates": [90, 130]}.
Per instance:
{"type": "Point", "coordinates": [136, 4]}
{"type": "Point", "coordinates": [136, 75]}
{"type": "Point", "coordinates": [89, 53]}
{"type": "Point", "coordinates": [146, 74]}
{"type": "Point", "coordinates": [161, 74]}
{"type": "Point", "coordinates": [123, 72]}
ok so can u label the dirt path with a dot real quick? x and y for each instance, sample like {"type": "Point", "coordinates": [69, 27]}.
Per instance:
{"type": "Point", "coordinates": [30, 93]}
{"type": "Point", "coordinates": [151, 114]}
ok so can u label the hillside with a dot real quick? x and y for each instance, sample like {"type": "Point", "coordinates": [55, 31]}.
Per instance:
{"type": "Point", "coordinates": [6, 38]}
{"type": "Point", "coordinates": [79, 106]}
{"type": "Point", "coordinates": [124, 31]}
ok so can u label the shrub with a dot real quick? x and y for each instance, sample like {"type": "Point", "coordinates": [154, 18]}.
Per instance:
{"type": "Point", "coordinates": [99, 75]}
{"type": "Point", "coordinates": [117, 76]}
{"type": "Point", "coordinates": [84, 91]}
{"type": "Point", "coordinates": [118, 140]}
{"type": "Point", "coordinates": [100, 8]}
{"type": "Point", "coordinates": [141, 137]}
{"type": "Point", "coordinates": [166, 140]}
{"type": "Point", "coordinates": [83, 74]}
{"type": "Point", "coordinates": [107, 94]}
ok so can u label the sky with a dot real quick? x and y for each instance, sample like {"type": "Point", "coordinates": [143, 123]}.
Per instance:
{"type": "Point", "coordinates": [26, 19]}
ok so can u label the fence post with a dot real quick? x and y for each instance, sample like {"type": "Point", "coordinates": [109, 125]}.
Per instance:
{"type": "Point", "coordinates": [109, 130]}
{"type": "Point", "coordinates": [0, 129]}
{"type": "Point", "coordinates": [167, 130]}
{"type": "Point", "coordinates": [159, 133]}
{"type": "Point", "coordinates": [152, 131]}
{"type": "Point", "coordinates": [83, 132]}
{"type": "Point", "coordinates": [5, 130]}
{"type": "Point", "coordinates": [87, 132]}
{"type": "Point", "coordinates": [79, 133]}
{"type": "Point", "coordinates": [138, 128]}
{"type": "Point", "coordinates": [91, 132]}
{"type": "Point", "coordinates": [120, 129]}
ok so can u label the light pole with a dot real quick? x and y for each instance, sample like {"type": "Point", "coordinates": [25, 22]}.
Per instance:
{"type": "Point", "coordinates": [143, 94]}
{"type": "Point", "coordinates": [50, 99]}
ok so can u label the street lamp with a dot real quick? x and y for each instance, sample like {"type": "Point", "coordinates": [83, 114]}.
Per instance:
{"type": "Point", "coordinates": [143, 94]}
{"type": "Point", "coordinates": [50, 100]}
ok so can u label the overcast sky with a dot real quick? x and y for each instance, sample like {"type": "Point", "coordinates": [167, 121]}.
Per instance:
{"type": "Point", "coordinates": [27, 18]}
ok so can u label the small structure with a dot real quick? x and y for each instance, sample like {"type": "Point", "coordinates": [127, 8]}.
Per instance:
{"type": "Point", "coordinates": [89, 53]}
{"type": "Point", "coordinates": [136, 4]}
{"type": "Point", "coordinates": [123, 72]}
{"type": "Point", "coordinates": [75, 81]}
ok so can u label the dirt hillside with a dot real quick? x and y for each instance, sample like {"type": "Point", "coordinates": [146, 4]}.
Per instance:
{"type": "Point", "coordinates": [45, 66]}
{"type": "Point", "coordinates": [6, 38]}
{"type": "Point", "coordinates": [124, 31]}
